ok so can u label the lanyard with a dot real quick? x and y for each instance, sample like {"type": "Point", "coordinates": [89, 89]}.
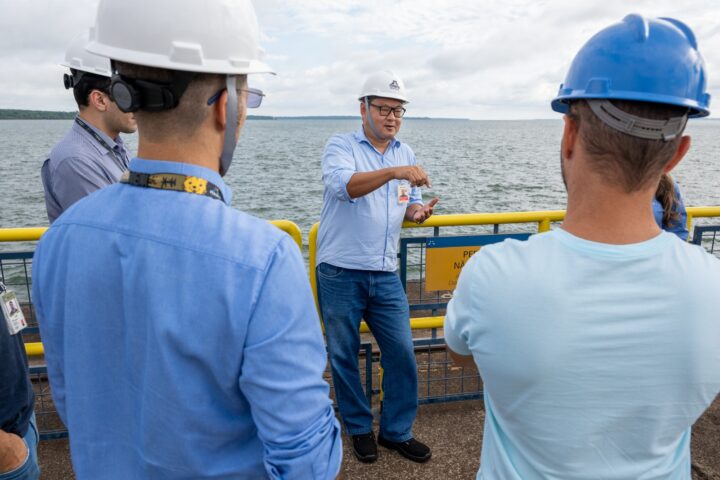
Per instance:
{"type": "Point", "coordinates": [173, 181]}
{"type": "Point", "coordinates": [100, 140]}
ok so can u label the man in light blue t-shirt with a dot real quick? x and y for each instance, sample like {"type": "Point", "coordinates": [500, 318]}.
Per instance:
{"type": "Point", "coordinates": [598, 342]}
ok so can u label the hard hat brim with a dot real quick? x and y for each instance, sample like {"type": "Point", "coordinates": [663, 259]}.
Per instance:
{"type": "Point", "coordinates": [384, 95]}
{"type": "Point", "coordinates": [223, 67]}
{"type": "Point", "coordinates": [561, 103]}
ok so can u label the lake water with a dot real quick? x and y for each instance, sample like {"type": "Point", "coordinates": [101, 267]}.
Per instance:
{"type": "Point", "coordinates": [474, 166]}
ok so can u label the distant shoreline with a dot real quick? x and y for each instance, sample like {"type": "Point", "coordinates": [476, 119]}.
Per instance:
{"type": "Point", "coordinates": [16, 114]}
{"type": "Point", "coordinates": [12, 114]}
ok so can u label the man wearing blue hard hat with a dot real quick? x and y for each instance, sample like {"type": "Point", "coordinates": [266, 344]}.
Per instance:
{"type": "Point", "coordinates": [613, 354]}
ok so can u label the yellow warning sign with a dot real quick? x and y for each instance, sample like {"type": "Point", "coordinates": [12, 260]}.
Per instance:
{"type": "Point", "coordinates": [443, 266]}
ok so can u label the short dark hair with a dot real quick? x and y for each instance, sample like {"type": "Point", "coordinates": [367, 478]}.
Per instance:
{"type": "Point", "coordinates": [86, 84]}
{"type": "Point", "coordinates": [191, 111]}
{"type": "Point", "coordinates": [623, 159]}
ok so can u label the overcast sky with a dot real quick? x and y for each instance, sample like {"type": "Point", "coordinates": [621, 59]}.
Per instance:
{"type": "Point", "coordinates": [479, 59]}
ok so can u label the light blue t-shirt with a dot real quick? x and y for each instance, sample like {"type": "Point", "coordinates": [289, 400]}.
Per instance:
{"type": "Point", "coordinates": [362, 233]}
{"type": "Point", "coordinates": [596, 359]}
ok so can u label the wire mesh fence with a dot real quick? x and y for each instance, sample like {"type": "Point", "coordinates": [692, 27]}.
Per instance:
{"type": "Point", "coordinates": [48, 420]}
{"type": "Point", "coordinates": [708, 236]}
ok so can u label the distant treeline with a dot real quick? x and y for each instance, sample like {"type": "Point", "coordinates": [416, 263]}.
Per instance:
{"type": "Point", "coordinates": [6, 114]}
{"type": "Point", "coordinates": [9, 114]}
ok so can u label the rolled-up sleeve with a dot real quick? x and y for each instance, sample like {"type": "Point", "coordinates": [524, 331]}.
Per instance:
{"type": "Point", "coordinates": [282, 375]}
{"type": "Point", "coordinates": [459, 316]}
{"type": "Point", "coordinates": [338, 166]}
{"type": "Point", "coordinates": [415, 192]}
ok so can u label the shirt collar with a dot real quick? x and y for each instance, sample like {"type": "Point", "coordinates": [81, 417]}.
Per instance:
{"type": "Point", "coordinates": [611, 250]}
{"type": "Point", "coordinates": [361, 137]}
{"type": "Point", "coordinates": [141, 165]}
{"type": "Point", "coordinates": [112, 143]}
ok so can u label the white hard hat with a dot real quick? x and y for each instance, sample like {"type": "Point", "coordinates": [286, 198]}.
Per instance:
{"type": "Point", "coordinates": [219, 36]}
{"type": "Point", "coordinates": [384, 84]}
{"type": "Point", "coordinates": [78, 58]}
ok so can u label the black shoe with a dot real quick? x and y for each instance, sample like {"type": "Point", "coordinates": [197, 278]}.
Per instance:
{"type": "Point", "coordinates": [412, 449]}
{"type": "Point", "coordinates": [365, 447]}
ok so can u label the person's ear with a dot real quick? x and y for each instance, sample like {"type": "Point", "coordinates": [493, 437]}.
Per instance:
{"type": "Point", "coordinates": [569, 138]}
{"type": "Point", "coordinates": [682, 149]}
{"type": "Point", "coordinates": [219, 109]}
{"type": "Point", "coordinates": [99, 100]}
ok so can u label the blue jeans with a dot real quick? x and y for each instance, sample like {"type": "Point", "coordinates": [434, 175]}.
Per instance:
{"type": "Point", "coordinates": [28, 470]}
{"type": "Point", "coordinates": [346, 297]}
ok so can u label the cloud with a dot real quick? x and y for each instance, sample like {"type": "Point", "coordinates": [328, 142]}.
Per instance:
{"type": "Point", "coordinates": [481, 60]}
{"type": "Point", "coordinates": [489, 59]}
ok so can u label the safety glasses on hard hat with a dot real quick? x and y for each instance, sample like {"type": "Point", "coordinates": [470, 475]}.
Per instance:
{"type": "Point", "coordinates": [254, 97]}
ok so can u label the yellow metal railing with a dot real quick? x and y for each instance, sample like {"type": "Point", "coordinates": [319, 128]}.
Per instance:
{"type": "Point", "coordinates": [291, 229]}
{"type": "Point", "coordinates": [543, 219]}
{"type": "Point", "coordinates": [31, 234]}
{"type": "Point", "coordinates": [700, 212]}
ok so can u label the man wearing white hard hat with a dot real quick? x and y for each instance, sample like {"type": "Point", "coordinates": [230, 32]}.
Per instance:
{"type": "Point", "coordinates": [92, 155]}
{"type": "Point", "coordinates": [180, 334]}
{"type": "Point", "coordinates": [372, 184]}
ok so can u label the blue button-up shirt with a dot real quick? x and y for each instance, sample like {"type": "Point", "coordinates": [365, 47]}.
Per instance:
{"type": "Point", "coordinates": [361, 233]}
{"type": "Point", "coordinates": [79, 165]}
{"type": "Point", "coordinates": [181, 338]}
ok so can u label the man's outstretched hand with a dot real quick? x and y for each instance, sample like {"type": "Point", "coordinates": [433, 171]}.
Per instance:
{"type": "Point", "coordinates": [423, 212]}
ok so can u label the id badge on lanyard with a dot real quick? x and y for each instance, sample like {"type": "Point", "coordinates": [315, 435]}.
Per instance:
{"type": "Point", "coordinates": [403, 193]}
{"type": "Point", "coordinates": [11, 310]}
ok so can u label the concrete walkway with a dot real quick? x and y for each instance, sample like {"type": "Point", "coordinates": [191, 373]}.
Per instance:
{"type": "Point", "coordinates": [454, 431]}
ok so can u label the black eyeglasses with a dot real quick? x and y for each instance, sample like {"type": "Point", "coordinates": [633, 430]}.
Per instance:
{"type": "Point", "coordinates": [254, 98]}
{"type": "Point", "coordinates": [385, 110]}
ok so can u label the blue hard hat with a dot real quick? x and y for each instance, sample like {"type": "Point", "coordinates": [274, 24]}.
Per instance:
{"type": "Point", "coordinates": [642, 59]}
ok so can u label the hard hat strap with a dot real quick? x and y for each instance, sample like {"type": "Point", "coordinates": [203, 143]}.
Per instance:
{"type": "Point", "coordinates": [73, 78]}
{"type": "Point", "coordinates": [646, 128]}
{"type": "Point", "coordinates": [231, 120]}
{"type": "Point", "coordinates": [371, 124]}
{"type": "Point", "coordinates": [132, 94]}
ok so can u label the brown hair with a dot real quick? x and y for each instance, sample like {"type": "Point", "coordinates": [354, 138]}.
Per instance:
{"type": "Point", "coordinates": [630, 162]}
{"type": "Point", "coordinates": [84, 87]}
{"type": "Point", "coordinates": [191, 112]}
{"type": "Point", "coordinates": [665, 194]}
